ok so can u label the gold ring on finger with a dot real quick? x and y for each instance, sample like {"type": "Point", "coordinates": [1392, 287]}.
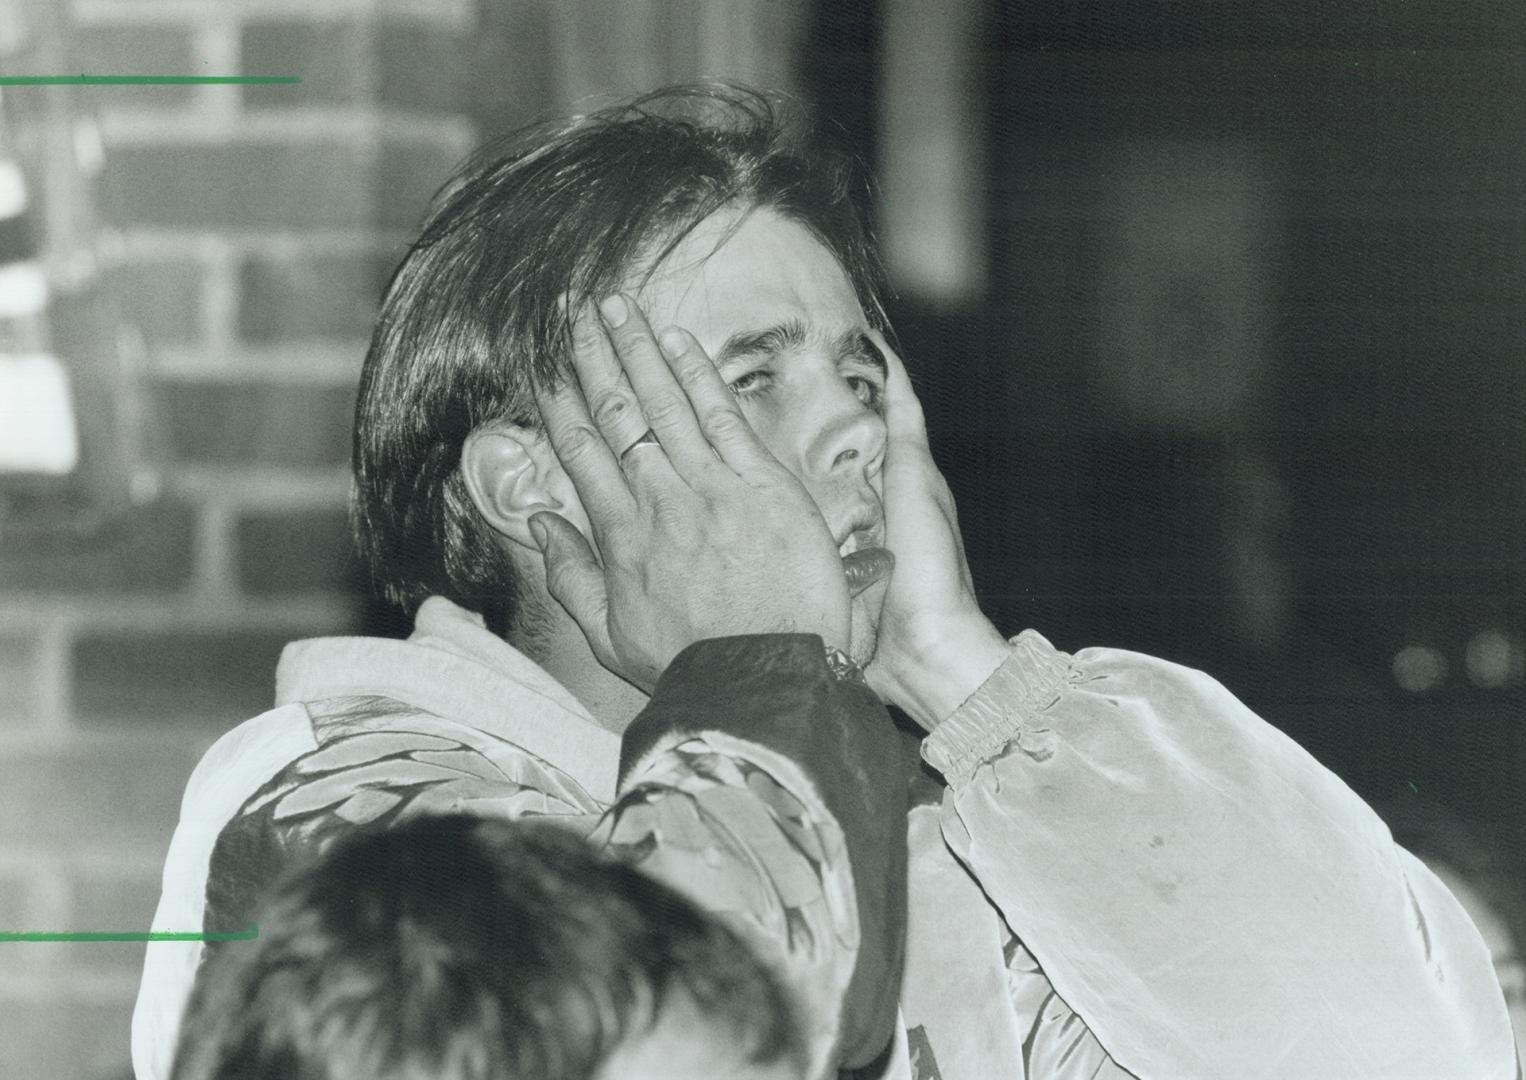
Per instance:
{"type": "Point", "coordinates": [648, 438]}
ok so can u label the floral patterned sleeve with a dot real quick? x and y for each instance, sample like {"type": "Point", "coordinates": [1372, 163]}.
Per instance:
{"type": "Point", "coordinates": [771, 793]}
{"type": "Point", "coordinates": [711, 820]}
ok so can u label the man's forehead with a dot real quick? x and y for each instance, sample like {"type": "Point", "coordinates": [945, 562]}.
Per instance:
{"type": "Point", "coordinates": [741, 273]}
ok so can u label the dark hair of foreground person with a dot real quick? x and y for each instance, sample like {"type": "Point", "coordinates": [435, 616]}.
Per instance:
{"type": "Point", "coordinates": [456, 948]}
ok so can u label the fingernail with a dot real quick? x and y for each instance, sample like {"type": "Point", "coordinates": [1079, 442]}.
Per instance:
{"type": "Point", "coordinates": [614, 309]}
{"type": "Point", "coordinates": [538, 531]}
{"type": "Point", "coordinates": [585, 331]}
{"type": "Point", "coordinates": [672, 341]}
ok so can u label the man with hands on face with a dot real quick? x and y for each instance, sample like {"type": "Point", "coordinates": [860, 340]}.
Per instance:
{"type": "Point", "coordinates": [1129, 873]}
{"type": "Point", "coordinates": [756, 774]}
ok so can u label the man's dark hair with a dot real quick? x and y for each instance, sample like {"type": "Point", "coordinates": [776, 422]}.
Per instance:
{"type": "Point", "coordinates": [471, 321]}
{"type": "Point", "coordinates": [462, 949]}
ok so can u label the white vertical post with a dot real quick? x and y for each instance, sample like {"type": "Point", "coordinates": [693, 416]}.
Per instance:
{"type": "Point", "coordinates": [931, 148]}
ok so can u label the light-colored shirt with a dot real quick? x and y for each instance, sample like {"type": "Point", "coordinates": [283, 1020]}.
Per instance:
{"type": "Point", "coordinates": [1129, 874]}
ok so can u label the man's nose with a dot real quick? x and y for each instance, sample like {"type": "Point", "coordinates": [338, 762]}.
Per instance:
{"type": "Point", "coordinates": [852, 441]}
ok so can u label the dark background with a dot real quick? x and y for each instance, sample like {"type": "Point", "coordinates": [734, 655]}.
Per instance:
{"type": "Point", "coordinates": [1378, 465]}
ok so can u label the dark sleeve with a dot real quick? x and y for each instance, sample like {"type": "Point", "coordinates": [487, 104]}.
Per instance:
{"type": "Point", "coordinates": [777, 694]}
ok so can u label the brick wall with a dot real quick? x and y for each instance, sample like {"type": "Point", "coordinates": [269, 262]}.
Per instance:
{"type": "Point", "coordinates": [245, 233]}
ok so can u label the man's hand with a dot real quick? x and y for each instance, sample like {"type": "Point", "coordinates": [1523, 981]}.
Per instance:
{"type": "Point", "coordinates": [700, 533]}
{"type": "Point", "coordinates": [935, 645]}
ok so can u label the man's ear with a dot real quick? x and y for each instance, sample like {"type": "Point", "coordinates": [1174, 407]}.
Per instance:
{"type": "Point", "coordinates": [510, 473]}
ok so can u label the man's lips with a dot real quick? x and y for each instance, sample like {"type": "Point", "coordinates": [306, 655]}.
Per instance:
{"type": "Point", "coordinates": [862, 532]}
{"type": "Point", "coordinates": [864, 561]}
{"type": "Point", "coordinates": [866, 566]}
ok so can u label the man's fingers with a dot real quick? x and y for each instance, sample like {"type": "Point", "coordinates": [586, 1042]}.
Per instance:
{"type": "Point", "coordinates": [585, 456]}
{"type": "Point", "coordinates": [903, 411]}
{"type": "Point", "coordinates": [574, 577]}
{"type": "Point", "coordinates": [721, 422]}
{"type": "Point", "coordinates": [611, 400]}
{"type": "Point", "coordinates": [661, 401]}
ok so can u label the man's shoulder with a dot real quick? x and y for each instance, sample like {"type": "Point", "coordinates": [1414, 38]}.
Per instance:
{"type": "Point", "coordinates": [242, 758]}
{"type": "Point", "coordinates": [369, 761]}
{"type": "Point", "coordinates": [375, 758]}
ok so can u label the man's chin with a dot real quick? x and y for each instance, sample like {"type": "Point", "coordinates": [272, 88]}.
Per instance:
{"type": "Point", "coordinates": [864, 631]}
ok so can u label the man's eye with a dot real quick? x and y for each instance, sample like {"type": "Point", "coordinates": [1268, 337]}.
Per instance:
{"type": "Point", "coordinates": [751, 382]}
{"type": "Point", "coordinates": [868, 391]}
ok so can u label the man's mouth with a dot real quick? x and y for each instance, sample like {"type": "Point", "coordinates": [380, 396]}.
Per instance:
{"type": "Point", "coordinates": [860, 532]}
{"type": "Point", "coordinates": [857, 540]}
{"type": "Point", "coordinates": [864, 560]}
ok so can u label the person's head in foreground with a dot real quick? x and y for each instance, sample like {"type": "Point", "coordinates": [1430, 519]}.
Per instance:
{"type": "Point", "coordinates": [452, 948]}
{"type": "Point", "coordinates": [719, 217]}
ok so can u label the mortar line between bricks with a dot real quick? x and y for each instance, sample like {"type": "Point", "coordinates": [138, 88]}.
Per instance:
{"type": "Point", "coordinates": [455, 15]}
{"type": "Point", "coordinates": [217, 45]}
{"type": "Point", "coordinates": [139, 862]}
{"type": "Point", "coordinates": [54, 674]}
{"type": "Point", "coordinates": [21, 937]}
{"type": "Point", "coordinates": [74, 987]}
{"type": "Point", "coordinates": [214, 578]}
{"type": "Point", "coordinates": [139, 12]}
{"type": "Point", "coordinates": [179, 127]}
{"type": "Point", "coordinates": [366, 66]}
{"type": "Point", "coordinates": [267, 488]}
{"type": "Point", "coordinates": [148, 80]}
{"type": "Point", "coordinates": [140, 244]}
{"type": "Point", "coordinates": [219, 298]}
{"type": "Point", "coordinates": [296, 363]}
{"type": "Point", "coordinates": [299, 614]}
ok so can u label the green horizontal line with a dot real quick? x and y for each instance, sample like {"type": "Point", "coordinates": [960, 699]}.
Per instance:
{"type": "Point", "coordinates": [147, 80]}
{"type": "Point", "coordinates": [152, 935]}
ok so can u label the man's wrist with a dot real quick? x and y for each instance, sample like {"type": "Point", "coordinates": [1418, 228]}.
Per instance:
{"type": "Point", "coordinates": [949, 669]}
{"type": "Point", "coordinates": [770, 688]}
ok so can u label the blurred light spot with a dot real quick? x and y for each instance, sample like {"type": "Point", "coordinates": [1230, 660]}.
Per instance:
{"type": "Point", "coordinates": [74, 269]}
{"type": "Point", "coordinates": [931, 203]}
{"type": "Point", "coordinates": [1494, 660]}
{"type": "Point", "coordinates": [12, 190]}
{"type": "Point", "coordinates": [89, 152]}
{"type": "Point", "coordinates": [23, 290]}
{"type": "Point", "coordinates": [144, 486]}
{"type": "Point", "coordinates": [37, 430]}
{"type": "Point", "coordinates": [1418, 668]}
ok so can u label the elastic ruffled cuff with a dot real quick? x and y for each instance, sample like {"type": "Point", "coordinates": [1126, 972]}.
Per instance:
{"type": "Point", "coordinates": [1027, 682]}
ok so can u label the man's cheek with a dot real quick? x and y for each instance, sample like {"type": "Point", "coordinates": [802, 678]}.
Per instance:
{"type": "Point", "coordinates": [864, 632]}
{"type": "Point", "coordinates": [772, 435]}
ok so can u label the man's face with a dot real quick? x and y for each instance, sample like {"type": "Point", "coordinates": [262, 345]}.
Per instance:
{"type": "Point", "coordinates": [777, 314]}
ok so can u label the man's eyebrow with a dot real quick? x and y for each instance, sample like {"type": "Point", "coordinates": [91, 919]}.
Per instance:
{"type": "Point", "coordinates": [775, 339]}
{"type": "Point", "coordinates": [858, 346]}
{"type": "Point", "coordinates": [851, 345]}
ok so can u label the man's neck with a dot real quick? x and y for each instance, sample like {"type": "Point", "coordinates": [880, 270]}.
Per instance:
{"type": "Point", "coordinates": [559, 646]}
